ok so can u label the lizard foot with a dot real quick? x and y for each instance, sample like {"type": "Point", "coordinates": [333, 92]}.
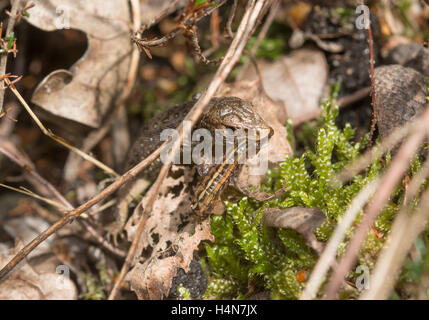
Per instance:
{"type": "Point", "coordinates": [115, 232]}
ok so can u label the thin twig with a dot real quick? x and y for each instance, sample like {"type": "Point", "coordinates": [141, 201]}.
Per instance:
{"type": "Point", "coordinates": [401, 237]}
{"type": "Point", "coordinates": [43, 186]}
{"type": "Point", "coordinates": [371, 63]}
{"type": "Point", "coordinates": [261, 34]}
{"type": "Point", "coordinates": [231, 19]}
{"type": "Point", "coordinates": [342, 102]}
{"type": "Point", "coordinates": [6, 127]}
{"type": "Point", "coordinates": [399, 165]}
{"type": "Point", "coordinates": [192, 35]}
{"type": "Point", "coordinates": [404, 233]}
{"type": "Point", "coordinates": [58, 139]}
{"type": "Point", "coordinates": [328, 256]}
{"type": "Point", "coordinates": [130, 256]}
{"type": "Point", "coordinates": [214, 28]}
{"type": "Point", "coordinates": [36, 196]}
{"type": "Point", "coordinates": [120, 135]}
{"type": "Point", "coordinates": [214, 37]}
{"type": "Point", "coordinates": [266, 26]}
{"type": "Point", "coordinates": [75, 213]}
{"type": "Point", "coordinates": [3, 59]}
{"type": "Point", "coordinates": [95, 137]}
{"type": "Point", "coordinates": [232, 56]}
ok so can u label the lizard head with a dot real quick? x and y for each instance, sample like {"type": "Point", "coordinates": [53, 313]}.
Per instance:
{"type": "Point", "coordinates": [235, 113]}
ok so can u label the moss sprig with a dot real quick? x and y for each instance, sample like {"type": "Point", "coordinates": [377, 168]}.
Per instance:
{"type": "Point", "coordinates": [248, 258]}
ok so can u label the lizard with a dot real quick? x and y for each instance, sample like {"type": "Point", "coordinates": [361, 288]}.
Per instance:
{"type": "Point", "coordinates": [223, 113]}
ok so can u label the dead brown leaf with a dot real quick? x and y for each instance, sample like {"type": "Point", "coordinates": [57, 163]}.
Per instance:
{"type": "Point", "coordinates": [153, 9]}
{"type": "Point", "coordinates": [27, 283]}
{"type": "Point", "coordinates": [302, 220]}
{"type": "Point", "coordinates": [298, 80]}
{"type": "Point", "coordinates": [171, 234]}
{"type": "Point", "coordinates": [25, 229]}
{"type": "Point", "coordinates": [86, 91]}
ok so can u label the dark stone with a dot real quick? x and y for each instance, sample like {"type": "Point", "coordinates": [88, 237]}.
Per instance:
{"type": "Point", "coordinates": [195, 281]}
{"type": "Point", "coordinates": [412, 55]}
{"type": "Point", "coordinates": [400, 96]}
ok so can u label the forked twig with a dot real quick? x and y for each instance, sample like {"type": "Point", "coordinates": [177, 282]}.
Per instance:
{"type": "Point", "coordinates": [58, 139]}
{"type": "Point", "coordinates": [44, 187]}
{"type": "Point", "coordinates": [75, 213]}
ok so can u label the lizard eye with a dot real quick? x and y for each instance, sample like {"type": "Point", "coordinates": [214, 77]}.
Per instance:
{"type": "Point", "coordinates": [232, 120]}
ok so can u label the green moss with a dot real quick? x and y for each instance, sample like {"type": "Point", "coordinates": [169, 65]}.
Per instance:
{"type": "Point", "coordinates": [415, 273]}
{"type": "Point", "coordinates": [97, 285]}
{"type": "Point", "coordinates": [404, 7]}
{"type": "Point", "coordinates": [184, 293]}
{"type": "Point", "coordinates": [269, 48]}
{"type": "Point", "coordinates": [244, 258]}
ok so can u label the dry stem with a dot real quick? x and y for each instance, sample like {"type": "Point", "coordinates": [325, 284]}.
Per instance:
{"type": "Point", "coordinates": [58, 139]}
{"type": "Point", "coordinates": [43, 186]}
{"type": "Point", "coordinates": [3, 58]}
{"type": "Point", "coordinates": [327, 258]}
{"type": "Point", "coordinates": [405, 230]}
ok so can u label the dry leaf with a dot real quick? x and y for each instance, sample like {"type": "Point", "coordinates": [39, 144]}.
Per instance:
{"type": "Point", "coordinates": [171, 234]}
{"type": "Point", "coordinates": [26, 229]}
{"type": "Point", "coordinates": [25, 283]}
{"type": "Point", "coordinates": [86, 91]}
{"type": "Point", "coordinates": [298, 80]}
{"type": "Point", "coordinates": [152, 9]}
{"type": "Point", "coordinates": [302, 220]}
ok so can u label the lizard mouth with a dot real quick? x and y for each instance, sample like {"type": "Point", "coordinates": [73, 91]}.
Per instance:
{"type": "Point", "coordinates": [261, 133]}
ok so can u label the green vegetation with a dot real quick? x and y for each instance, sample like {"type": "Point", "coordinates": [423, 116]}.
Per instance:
{"type": "Point", "coordinates": [244, 259]}
{"type": "Point", "coordinates": [97, 284]}
{"type": "Point", "coordinates": [404, 7]}
{"type": "Point", "coordinates": [269, 48]}
{"type": "Point", "coordinates": [10, 40]}
{"type": "Point", "coordinates": [185, 294]}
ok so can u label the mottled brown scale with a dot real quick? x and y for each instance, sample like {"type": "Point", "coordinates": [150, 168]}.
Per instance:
{"type": "Point", "coordinates": [149, 137]}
